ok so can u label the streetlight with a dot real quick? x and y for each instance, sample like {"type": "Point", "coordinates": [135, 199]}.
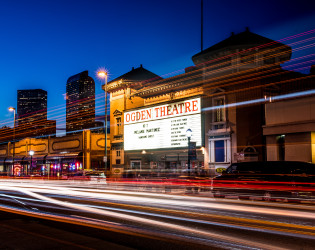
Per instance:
{"type": "Point", "coordinates": [189, 134]}
{"type": "Point", "coordinates": [31, 152]}
{"type": "Point", "coordinates": [14, 111]}
{"type": "Point", "coordinates": [104, 75]}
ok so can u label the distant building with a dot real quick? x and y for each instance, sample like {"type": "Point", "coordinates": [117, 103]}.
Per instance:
{"type": "Point", "coordinates": [31, 105]}
{"type": "Point", "coordinates": [80, 102]}
{"type": "Point", "coordinates": [32, 114]}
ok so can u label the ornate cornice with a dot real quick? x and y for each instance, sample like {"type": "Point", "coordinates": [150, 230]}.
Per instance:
{"type": "Point", "coordinates": [122, 84]}
{"type": "Point", "coordinates": [118, 93]}
{"type": "Point", "coordinates": [174, 95]}
{"type": "Point", "coordinates": [117, 113]}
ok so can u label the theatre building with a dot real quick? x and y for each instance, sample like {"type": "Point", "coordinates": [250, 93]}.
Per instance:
{"type": "Point", "coordinates": [221, 99]}
{"type": "Point", "coordinates": [148, 135]}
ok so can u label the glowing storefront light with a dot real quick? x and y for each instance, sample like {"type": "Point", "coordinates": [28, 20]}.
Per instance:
{"type": "Point", "coordinates": [163, 126]}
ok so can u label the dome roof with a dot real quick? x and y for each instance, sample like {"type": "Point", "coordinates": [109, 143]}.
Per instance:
{"type": "Point", "coordinates": [246, 39]}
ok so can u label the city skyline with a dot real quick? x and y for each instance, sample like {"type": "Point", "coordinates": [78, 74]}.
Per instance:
{"type": "Point", "coordinates": [150, 124]}
{"type": "Point", "coordinates": [164, 46]}
{"type": "Point", "coordinates": [80, 102]}
{"type": "Point", "coordinates": [31, 105]}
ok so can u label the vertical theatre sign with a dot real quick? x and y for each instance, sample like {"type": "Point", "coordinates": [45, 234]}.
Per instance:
{"type": "Point", "coordinates": [163, 126]}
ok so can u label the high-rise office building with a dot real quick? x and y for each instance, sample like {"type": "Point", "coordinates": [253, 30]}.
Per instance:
{"type": "Point", "coordinates": [32, 114]}
{"type": "Point", "coordinates": [31, 105]}
{"type": "Point", "coordinates": [80, 102]}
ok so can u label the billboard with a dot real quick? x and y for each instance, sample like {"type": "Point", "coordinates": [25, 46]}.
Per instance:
{"type": "Point", "coordinates": [163, 126]}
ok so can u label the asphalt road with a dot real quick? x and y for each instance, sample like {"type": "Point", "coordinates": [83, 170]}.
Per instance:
{"type": "Point", "coordinates": [20, 232]}
{"type": "Point", "coordinates": [102, 216]}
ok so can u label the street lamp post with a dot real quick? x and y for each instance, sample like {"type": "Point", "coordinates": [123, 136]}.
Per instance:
{"type": "Point", "coordinates": [188, 134]}
{"type": "Point", "coordinates": [103, 74]}
{"type": "Point", "coordinates": [14, 111]}
{"type": "Point", "coordinates": [31, 166]}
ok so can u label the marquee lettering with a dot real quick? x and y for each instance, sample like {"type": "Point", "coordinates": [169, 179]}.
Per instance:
{"type": "Point", "coordinates": [163, 111]}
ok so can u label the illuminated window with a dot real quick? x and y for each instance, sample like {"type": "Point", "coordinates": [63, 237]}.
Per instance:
{"type": "Point", "coordinates": [219, 115]}
{"type": "Point", "coordinates": [118, 126]}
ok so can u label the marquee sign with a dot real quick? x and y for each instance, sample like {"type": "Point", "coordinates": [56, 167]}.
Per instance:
{"type": "Point", "coordinates": [163, 126]}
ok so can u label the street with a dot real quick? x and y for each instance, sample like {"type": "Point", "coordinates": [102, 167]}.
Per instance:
{"type": "Point", "coordinates": [137, 218]}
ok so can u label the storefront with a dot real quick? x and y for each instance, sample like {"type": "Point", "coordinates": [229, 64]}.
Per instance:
{"type": "Point", "coordinates": [35, 165]}
{"type": "Point", "coordinates": [15, 166]}
{"type": "Point", "coordinates": [3, 170]}
{"type": "Point", "coordinates": [63, 165]}
{"type": "Point", "coordinates": [70, 166]}
{"type": "Point", "coordinates": [53, 166]}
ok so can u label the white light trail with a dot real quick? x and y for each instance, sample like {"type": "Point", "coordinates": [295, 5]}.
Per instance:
{"type": "Point", "coordinates": [262, 100]}
{"type": "Point", "coordinates": [160, 201]}
{"type": "Point", "coordinates": [154, 223]}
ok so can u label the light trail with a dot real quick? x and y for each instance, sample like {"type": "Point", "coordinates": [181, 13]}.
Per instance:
{"type": "Point", "coordinates": [203, 203]}
{"type": "Point", "coordinates": [303, 43]}
{"type": "Point", "coordinates": [170, 221]}
{"type": "Point", "coordinates": [262, 100]}
{"type": "Point", "coordinates": [304, 40]}
{"type": "Point", "coordinates": [263, 224]}
{"type": "Point", "coordinates": [137, 219]}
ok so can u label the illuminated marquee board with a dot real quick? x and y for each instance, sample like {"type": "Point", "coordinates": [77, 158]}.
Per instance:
{"type": "Point", "coordinates": [163, 126]}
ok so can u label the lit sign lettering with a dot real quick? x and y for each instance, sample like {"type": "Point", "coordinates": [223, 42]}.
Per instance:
{"type": "Point", "coordinates": [165, 111]}
{"type": "Point", "coordinates": [163, 126]}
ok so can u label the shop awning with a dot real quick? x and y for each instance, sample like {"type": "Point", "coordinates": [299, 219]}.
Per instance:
{"type": "Point", "coordinates": [2, 159]}
{"type": "Point", "coordinates": [37, 158]}
{"type": "Point", "coordinates": [63, 157]}
{"type": "Point", "coordinates": [16, 159]}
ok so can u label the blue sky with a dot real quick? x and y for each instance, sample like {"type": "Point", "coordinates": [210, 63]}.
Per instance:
{"type": "Point", "coordinates": [45, 42]}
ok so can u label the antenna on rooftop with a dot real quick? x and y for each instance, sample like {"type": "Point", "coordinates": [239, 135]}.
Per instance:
{"type": "Point", "coordinates": [201, 25]}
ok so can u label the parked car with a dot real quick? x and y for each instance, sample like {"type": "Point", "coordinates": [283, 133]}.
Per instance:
{"type": "Point", "coordinates": [97, 176]}
{"type": "Point", "coordinates": [89, 175]}
{"type": "Point", "coordinates": [268, 180]}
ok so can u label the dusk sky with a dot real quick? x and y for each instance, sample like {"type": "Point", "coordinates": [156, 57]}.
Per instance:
{"type": "Point", "coordinates": [45, 42]}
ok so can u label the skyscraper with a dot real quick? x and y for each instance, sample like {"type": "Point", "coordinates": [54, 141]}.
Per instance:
{"type": "Point", "coordinates": [31, 105]}
{"type": "Point", "coordinates": [32, 114]}
{"type": "Point", "coordinates": [80, 102]}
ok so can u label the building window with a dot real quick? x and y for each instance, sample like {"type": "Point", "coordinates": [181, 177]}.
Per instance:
{"type": "Point", "coordinates": [219, 115]}
{"type": "Point", "coordinates": [281, 147]}
{"type": "Point", "coordinates": [219, 151]}
{"type": "Point", "coordinates": [218, 118]}
{"type": "Point", "coordinates": [135, 165]}
{"type": "Point", "coordinates": [118, 126]}
{"type": "Point", "coordinates": [117, 155]}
